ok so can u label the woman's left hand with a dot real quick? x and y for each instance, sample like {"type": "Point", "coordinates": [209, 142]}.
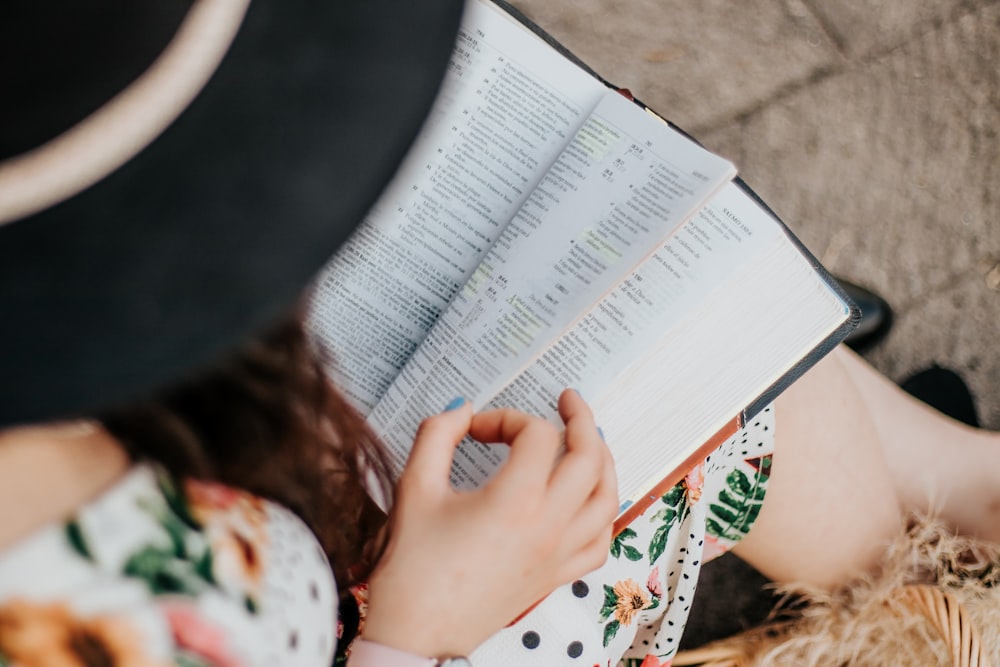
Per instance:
{"type": "Point", "coordinates": [459, 566]}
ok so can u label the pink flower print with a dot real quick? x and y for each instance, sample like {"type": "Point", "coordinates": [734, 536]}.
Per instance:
{"type": "Point", "coordinates": [206, 497]}
{"type": "Point", "coordinates": [194, 634]}
{"type": "Point", "coordinates": [653, 584]}
{"type": "Point", "coordinates": [693, 483]}
{"type": "Point", "coordinates": [713, 548]}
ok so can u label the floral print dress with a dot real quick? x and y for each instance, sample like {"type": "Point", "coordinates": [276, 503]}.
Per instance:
{"type": "Point", "coordinates": [632, 611]}
{"type": "Point", "coordinates": [153, 573]}
{"type": "Point", "coordinates": [156, 573]}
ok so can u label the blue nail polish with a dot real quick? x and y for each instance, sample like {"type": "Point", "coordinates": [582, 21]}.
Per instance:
{"type": "Point", "coordinates": [455, 404]}
{"type": "Point", "coordinates": [601, 433]}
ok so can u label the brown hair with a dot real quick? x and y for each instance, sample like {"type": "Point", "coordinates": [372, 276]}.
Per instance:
{"type": "Point", "coordinates": [268, 421]}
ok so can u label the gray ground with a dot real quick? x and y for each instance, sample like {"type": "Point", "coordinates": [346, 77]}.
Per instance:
{"type": "Point", "coordinates": [872, 127]}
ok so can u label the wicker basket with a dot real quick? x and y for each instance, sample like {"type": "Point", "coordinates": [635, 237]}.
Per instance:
{"type": "Point", "coordinates": [945, 613]}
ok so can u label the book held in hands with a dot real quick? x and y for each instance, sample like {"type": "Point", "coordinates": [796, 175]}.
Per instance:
{"type": "Point", "coordinates": [545, 232]}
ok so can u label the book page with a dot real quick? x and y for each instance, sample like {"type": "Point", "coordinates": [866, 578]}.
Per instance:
{"type": "Point", "coordinates": [623, 185]}
{"type": "Point", "coordinates": [705, 253]}
{"type": "Point", "coordinates": [508, 106]}
{"type": "Point", "coordinates": [706, 367]}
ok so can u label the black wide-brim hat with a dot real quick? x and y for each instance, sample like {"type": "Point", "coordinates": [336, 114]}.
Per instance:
{"type": "Point", "coordinates": [132, 256]}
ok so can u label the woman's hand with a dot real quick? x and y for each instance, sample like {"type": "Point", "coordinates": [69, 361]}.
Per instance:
{"type": "Point", "coordinates": [461, 565]}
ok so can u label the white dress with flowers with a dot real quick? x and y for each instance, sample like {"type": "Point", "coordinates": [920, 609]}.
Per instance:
{"type": "Point", "coordinates": [155, 573]}
{"type": "Point", "coordinates": [632, 611]}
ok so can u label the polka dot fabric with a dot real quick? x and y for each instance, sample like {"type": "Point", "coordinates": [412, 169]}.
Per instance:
{"type": "Point", "coordinates": [299, 596]}
{"type": "Point", "coordinates": [632, 611]}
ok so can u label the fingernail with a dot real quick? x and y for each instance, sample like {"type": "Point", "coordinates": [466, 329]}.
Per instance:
{"type": "Point", "coordinates": [601, 433]}
{"type": "Point", "coordinates": [455, 404]}
{"type": "Point", "coordinates": [577, 392]}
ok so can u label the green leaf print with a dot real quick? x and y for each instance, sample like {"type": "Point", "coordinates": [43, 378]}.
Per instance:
{"type": "Point", "coordinates": [727, 515]}
{"type": "Point", "coordinates": [163, 572]}
{"type": "Point", "coordinates": [752, 510]}
{"type": "Point", "coordinates": [666, 515]}
{"type": "Point", "coordinates": [204, 567]}
{"type": "Point", "coordinates": [742, 486]}
{"type": "Point", "coordinates": [610, 602]}
{"type": "Point", "coordinates": [186, 659]}
{"type": "Point", "coordinates": [674, 513]}
{"type": "Point", "coordinates": [618, 545]}
{"type": "Point", "coordinates": [177, 501]}
{"type": "Point", "coordinates": [178, 531]}
{"type": "Point", "coordinates": [610, 630]}
{"type": "Point", "coordinates": [659, 541]}
{"type": "Point", "coordinates": [738, 505]}
{"type": "Point", "coordinates": [181, 564]}
{"type": "Point", "coordinates": [674, 496]}
{"type": "Point", "coordinates": [632, 553]}
{"type": "Point", "coordinates": [77, 540]}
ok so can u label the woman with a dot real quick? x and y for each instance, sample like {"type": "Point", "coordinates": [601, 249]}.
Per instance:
{"type": "Point", "coordinates": [263, 420]}
{"type": "Point", "coordinates": [145, 415]}
{"type": "Point", "coordinates": [139, 294]}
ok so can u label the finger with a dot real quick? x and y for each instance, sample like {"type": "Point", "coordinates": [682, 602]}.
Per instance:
{"type": "Point", "coordinates": [434, 447]}
{"type": "Point", "coordinates": [588, 558]}
{"type": "Point", "coordinates": [598, 512]}
{"type": "Point", "coordinates": [601, 508]}
{"type": "Point", "coordinates": [581, 431]}
{"type": "Point", "coordinates": [578, 473]}
{"type": "Point", "coordinates": [571, 404]}
{"type": "Point", "coordinates": [534, 443]}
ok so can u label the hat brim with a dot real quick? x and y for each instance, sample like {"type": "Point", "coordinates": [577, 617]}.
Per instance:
{"type": "Point", "coordinates": [216, 228]}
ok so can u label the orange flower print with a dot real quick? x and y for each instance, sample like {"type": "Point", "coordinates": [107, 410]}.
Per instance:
{"type": "Point", "coordinates": [631, 599]}
{"type": "Point", "coordinates": [209, 502]}
{"type": "Point", "coordinates": [693, 483]}
{"type": "Point", "coordinates": [193, 634]}
{"type": "Point", "coordinates": [652, 661]}
{"type": "Point", "coordinates": [50, 635]}
{"type": "Point", "coordinates": [235, 525]}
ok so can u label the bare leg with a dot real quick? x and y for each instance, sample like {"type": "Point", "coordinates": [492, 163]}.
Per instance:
{"type": "Point", "coordinates": [855, 455]}
{"type": "Point", "coordinates": [938, 465]}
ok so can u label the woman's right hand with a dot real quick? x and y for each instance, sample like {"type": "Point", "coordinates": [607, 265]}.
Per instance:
{"type": "Point", "coordinates": [459, 566]}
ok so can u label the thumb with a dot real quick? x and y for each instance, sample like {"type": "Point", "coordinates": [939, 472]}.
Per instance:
{"type": "Point", "coordinates": [434, 446]}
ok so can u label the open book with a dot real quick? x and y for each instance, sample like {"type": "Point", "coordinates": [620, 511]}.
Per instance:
{"type": "Point", "coordinates": [546, 231]}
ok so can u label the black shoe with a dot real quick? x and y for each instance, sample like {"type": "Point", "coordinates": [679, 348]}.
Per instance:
{"type": "Point", "coordinates": [945, 391]}
{"type": "Point", "coordinates": [876, 317]}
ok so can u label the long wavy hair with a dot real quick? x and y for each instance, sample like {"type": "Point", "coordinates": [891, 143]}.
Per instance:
{"type": "Point", "coordinates": [267, 420]}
